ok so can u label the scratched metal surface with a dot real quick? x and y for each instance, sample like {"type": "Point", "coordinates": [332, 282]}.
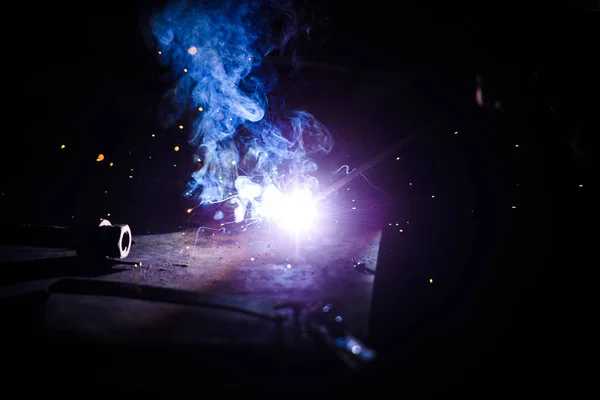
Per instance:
{"type": "Point", "coordinates": [256, 263]}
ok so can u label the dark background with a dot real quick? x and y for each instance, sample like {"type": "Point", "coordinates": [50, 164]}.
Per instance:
{"type": "Point", "coordinates": [513, 305]}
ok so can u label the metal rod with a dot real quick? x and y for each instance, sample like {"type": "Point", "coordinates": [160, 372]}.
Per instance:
{"type": "Point", "coordinates": [427, 132]}
{"type": "Point", "coordinates": [36, 236]}
{"type": "Point", "coordinates": [93, 287]}
{"type": "Point", "coordinates": [364, 167]}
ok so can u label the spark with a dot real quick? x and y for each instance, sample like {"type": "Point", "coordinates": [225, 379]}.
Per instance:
{"type": "Point", "coordinates": [62, 146]}
{"type": "Point", "coordinates": [176, 148]}
{"type": "Point", "coordinates": [100, 157]}
{"type": "Point", "coordinates": [346, 168]}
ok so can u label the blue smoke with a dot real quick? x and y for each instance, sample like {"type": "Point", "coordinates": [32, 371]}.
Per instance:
{"type": "Point", "coordinates": [216, 51]}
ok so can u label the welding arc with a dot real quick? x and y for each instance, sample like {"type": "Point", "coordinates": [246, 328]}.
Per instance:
{"type": "Point", "coordinates": [364, 167]}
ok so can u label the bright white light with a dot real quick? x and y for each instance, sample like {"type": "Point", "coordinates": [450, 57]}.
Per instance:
{"type": "Point", "coordinates": [247, 190]}
{"type": "Point", "coordinates": [293, 212]}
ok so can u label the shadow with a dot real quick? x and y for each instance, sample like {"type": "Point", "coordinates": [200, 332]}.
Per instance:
{"type": "Point", "coordinates": [58, 267]}
{"type": "Point", "coordinates": [23, 315]}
